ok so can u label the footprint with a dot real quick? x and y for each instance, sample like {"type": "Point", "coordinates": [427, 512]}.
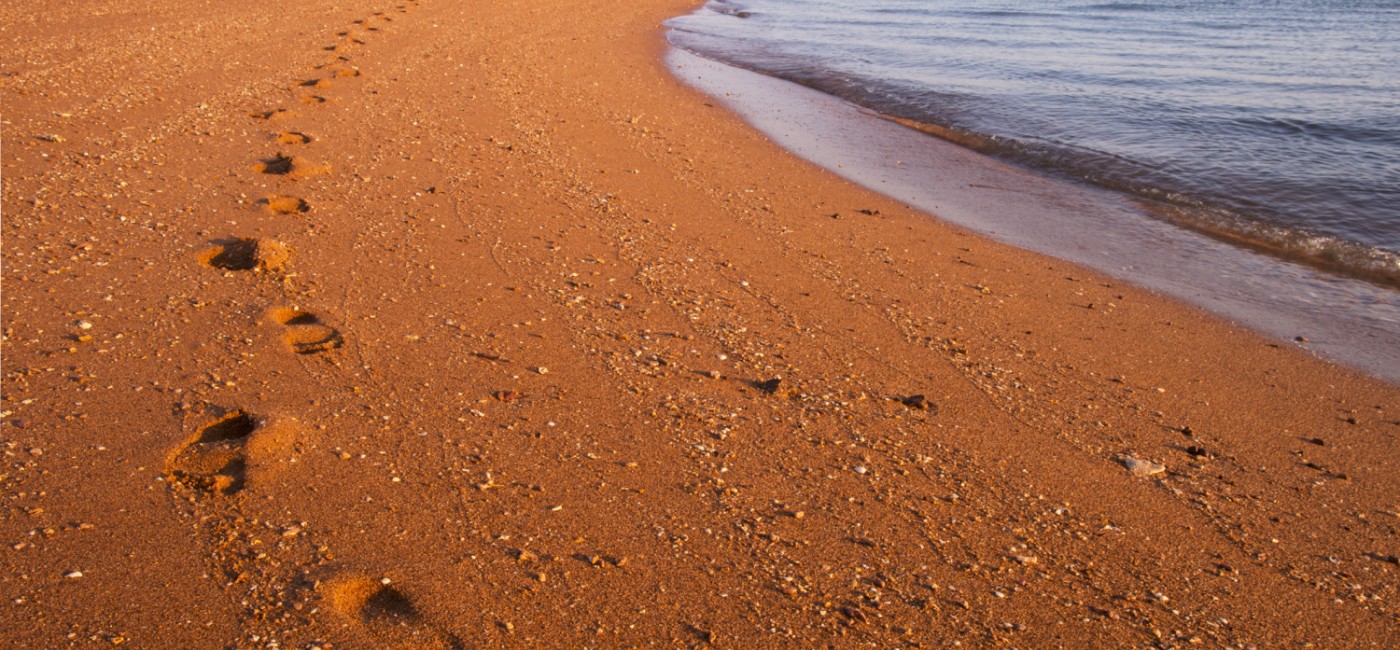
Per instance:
{"type": "Point", "coordinates": [274, 114]}
{"type": "Point", "coordinates": [305, 333]}
{"type": "Point", "coordinates": [293, 137]}
{"type": "Point", "coordinates": [385, 613]}
{"type": "Point", "coordinates": [293, 167]}
{"type": "Point", "coordinates": [263, 255]}
{"type": "Point", "coordinates": [283, 204]}
{"type": "Point", "coordinates": [228, 451]}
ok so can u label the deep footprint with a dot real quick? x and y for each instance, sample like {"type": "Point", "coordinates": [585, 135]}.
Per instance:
{"type": "Point", "coordinates": [274, 114]}
{"type": "Point", "coordinates": [247, 254]}
{"type": "Point", "coordinates": [339, 68]}
{"type": "Point", "coordinates": [305, 333]}
{"type": "Point", "coordinates": [293, 167]}
{"type": "Point", "coordinates": [384, 612]}
{"type": "Point", "coordinates": [293, 137]}
{"type": "Point", "coordinates": [283, 204]}
{"type": "Point", "coordinates": [220, 457]}
{"type": "Point", "coordinates": [214, 461]}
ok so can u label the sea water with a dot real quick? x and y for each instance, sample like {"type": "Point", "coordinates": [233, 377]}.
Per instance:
{"type": "Point", "coordinates": [1270, 124]}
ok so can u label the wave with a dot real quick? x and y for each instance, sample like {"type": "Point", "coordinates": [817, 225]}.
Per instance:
{"type": "Point", "coordinates": [1325, 252]}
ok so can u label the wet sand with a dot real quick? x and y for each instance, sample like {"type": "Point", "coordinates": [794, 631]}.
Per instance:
{"type": "Point", "coordinates": [418, 324]}
{"type": "Point", "coordinates": [1354, 322]}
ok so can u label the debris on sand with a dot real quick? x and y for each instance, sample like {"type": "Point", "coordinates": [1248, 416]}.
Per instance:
{"type": "Point", "coordinates": [1139, 467]}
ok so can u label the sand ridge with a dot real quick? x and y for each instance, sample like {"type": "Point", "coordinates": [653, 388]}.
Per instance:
{"type": "Point", "coordinates": [566, 356]}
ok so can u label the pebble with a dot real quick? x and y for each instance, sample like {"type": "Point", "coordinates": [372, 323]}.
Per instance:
{"type": "Point", "coordinates": [918, 402]}
{"type": "Point", "coordinates": [860, 469]}
{"type": "Point", "coordinates": [73, 575]}
{"type": "Point", "coordinates": [1140, 467]}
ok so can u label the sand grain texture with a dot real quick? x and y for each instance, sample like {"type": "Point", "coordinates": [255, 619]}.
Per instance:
{"type": "Point", "coordinates": [501, 188]}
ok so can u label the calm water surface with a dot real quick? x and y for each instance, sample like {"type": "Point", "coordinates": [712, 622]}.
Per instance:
{"type": "Point", "coordinates": [1273, 125]}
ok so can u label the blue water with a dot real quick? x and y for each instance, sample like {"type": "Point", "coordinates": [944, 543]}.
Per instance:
{"type": "Point", "coordinates": [1271, 124]}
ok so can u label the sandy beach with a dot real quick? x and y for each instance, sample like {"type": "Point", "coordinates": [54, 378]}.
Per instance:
{"type": "Point", "coordinates": [421, 324]}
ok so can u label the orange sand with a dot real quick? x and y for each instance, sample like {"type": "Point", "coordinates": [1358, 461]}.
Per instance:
{"type": "Point", "coordinates": [510, 381]}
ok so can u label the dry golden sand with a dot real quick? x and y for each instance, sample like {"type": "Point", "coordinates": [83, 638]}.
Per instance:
{"type": "Point", "coordinates": [505, 377]}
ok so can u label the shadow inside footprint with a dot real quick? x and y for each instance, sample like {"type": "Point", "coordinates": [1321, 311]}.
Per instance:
{"type": "Point", "coordinates": [274, 114]}
{"type": "Point", "coordinates": [232, 255]}
{"type": "Point", "coordinates": [215, 460]}
{"type": "Point", "coordinates": [247, 254]}
{"type": "Point", "coordinates": [231, 450]}
{"type": "Point", "coordinates": [367, 601]}
{"type": "Point", "coordinates": [304, 332]}
{"type": "Point", "coordinates": [384, 612]}
{"type": "Point", "coordinates": [291, 167]}
{"type": "Point", "coordinates": [278, 165]}
{"type": "Point", "coordinates": [283, 204]}
{"type": "Point", "coordinates": [293, 137]}
{"type": "Point", "coordinates": [388, 603]}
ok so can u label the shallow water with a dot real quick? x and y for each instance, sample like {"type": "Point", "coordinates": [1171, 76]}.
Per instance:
{"type": "Point", "coordinates": [1274, 125]}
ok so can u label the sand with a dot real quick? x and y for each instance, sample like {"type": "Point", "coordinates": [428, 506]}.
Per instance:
{"type": "Point", "coordinates": [431, 324]}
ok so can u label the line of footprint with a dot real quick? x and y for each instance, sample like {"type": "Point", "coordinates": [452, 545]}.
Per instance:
{"type": "Point", "coordinates": [232, 449]}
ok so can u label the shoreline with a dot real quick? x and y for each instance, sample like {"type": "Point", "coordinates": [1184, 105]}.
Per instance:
{"type": "Point", "coordinates": [1231, 215]}
{"type": "Point", "coordinates": [414, 324]}
{"type": "Point", "coordinates": [1347, 320]}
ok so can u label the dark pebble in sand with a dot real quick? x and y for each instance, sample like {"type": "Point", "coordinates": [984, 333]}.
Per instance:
{"type": "Point", "coordinates": [918, 402]}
